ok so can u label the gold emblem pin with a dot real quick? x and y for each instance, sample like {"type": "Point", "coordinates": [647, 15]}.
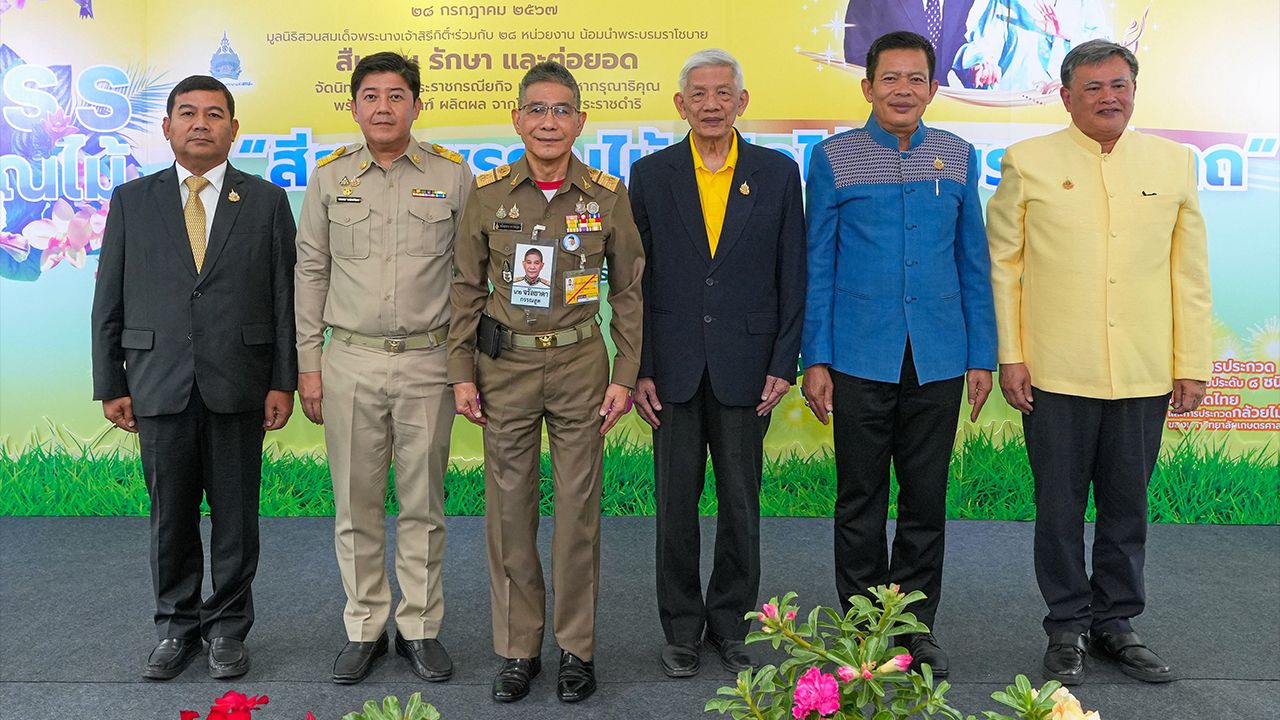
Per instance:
{"type": "Point", "coordinates": [515, 213]}
{"type": "Point", "coordinates": [502, 212]}
{"type": "Point", "coordinates": [745, 189]}
{"type": "Point", "coordinates": [1067, 184]}
{"type": "Point", "coordinates": [937, 163]}
{"type": "Point", "coordinates": [416, 158]}
{"type": "Point", "coordinates": [233, 196]}
{"type": "Point", "coordinates": [364, 164]}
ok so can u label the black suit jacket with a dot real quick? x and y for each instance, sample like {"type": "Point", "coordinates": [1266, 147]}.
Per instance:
{"type": "Point", "coordinates": [866, 20]}
{"type": "Point", "coordinates": [737, 315]}
{"type": "Point", "coordinates": [158, 326]}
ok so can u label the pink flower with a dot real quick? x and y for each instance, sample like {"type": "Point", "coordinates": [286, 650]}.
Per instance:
{"type": "Point", "coordinates": [816, 690]}
{"type": "Point", "coordinates": [57, 125]}
{"type": "Point", "coordinates": [791, 614]}
{"type": "Point", "coordinates": [770, 611]}
{"type": "Point", "coordinates": [235, 706]}
{"type": "Point", "coordinates": [68, 234]}
{"type": "Point", "coordinates": [188, 715]}
{"type": "Point", "coordinates": [846, 673]}
{"type": "Point", "coordinates": [897, 663]}
{"type": "Point", "coordinates": [866, 671]}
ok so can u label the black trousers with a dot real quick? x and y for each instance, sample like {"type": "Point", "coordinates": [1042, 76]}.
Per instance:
{"type": "Point", "coordinates": [185, 456]}
{"type": "Point", "coordinates": [735, 437]}
{"type": "Point", "coordinates": [1071, 442]}
{"type": "Point", "coordinates": [914, 427]}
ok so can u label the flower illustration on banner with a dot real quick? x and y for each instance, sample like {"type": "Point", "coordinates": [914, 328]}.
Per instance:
{"type": "Point", "coordinates": [68, 234]}
{"type": "Point", "coordinates": [15, 245]}
{"type": "Point", "coordinates": [58, 125]}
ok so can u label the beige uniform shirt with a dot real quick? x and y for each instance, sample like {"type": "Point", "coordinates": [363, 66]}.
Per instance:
{"type": "Point", "coordinates": [486, 253]}
{"type": "Point", "coordinates": [375, 246]}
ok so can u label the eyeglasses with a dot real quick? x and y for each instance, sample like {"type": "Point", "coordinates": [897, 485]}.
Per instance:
{"type": "Point", "coordinates": [559, 112]}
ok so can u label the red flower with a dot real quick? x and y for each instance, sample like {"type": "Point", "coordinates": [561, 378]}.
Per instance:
{"type": "Point", "coordinates": [235, 706]}
{"type": "Point", "coordinates": [188, 715]}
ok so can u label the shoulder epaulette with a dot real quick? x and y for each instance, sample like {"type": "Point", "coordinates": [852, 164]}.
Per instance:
{"type": "Point", "coordinates": [608, 182]}
{"type": "Point", "coordinates": [342, 150]}
{"type": "Point", "coordinates": [593, 173]}
{"type": "Point", "coordinates": [446, 153]}
{"type": "Point", "coordinates": [488, 177]}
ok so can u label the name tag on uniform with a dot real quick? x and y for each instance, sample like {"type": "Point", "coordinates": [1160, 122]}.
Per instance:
{"type": "Point", "coordinates": [507, 226]}
{"type": "Point", "coordinates": [348, 198]}
{"type": "Point", "coordinates": [424, 193]}
{"type": "Point", "coordinates": [582, 287]}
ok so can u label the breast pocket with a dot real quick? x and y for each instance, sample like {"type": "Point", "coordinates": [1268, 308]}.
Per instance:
{"type": "Point", "coordinates": [502, 250]}
{"type": "Point", "coordinates": [349, 231]}
{"type": "Point", "coordinates": [430, 232]}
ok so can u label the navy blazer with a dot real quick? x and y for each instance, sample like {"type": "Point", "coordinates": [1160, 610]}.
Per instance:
{"type": "Point", "coordinates": [737, 316]}
{"type": "Point", "coordinates": [159, 326]}
{"type": "Point", "coordinates": [866, 20]}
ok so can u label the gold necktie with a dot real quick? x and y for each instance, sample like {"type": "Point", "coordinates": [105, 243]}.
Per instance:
{"type": "Point", "coordinates": [193, 213]}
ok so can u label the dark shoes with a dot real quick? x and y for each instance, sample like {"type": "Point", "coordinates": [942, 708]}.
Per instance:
{"type": "Point", "coordinates": [924, 649]}
{"type": "Point", "coordinates": [733, 653]}
{"type": "Point", "coordinates": [353, 663]}
{"type": "Point", "coordinates": [170, 658]}
{"type": "Point", "coordinates": [680, 660]}
{"type": "Point", "coordinates": [428, 658]}
{"type": "Point", "coordinates": [512, 682]}
{"type": "Point", "coordinates": [1064, 660]}
{"type": "Point", "coordinates": [227, 658]}
{"type": "Point", "coordinates": [1134, 658]}
{"type": "Point", "coordinates": [577, 678]}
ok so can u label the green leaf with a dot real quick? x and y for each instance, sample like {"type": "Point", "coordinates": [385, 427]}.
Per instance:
{"type": "Point", "coordinates": [391, 708]}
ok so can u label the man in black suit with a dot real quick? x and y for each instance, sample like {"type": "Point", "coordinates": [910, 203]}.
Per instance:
{"type": "Point", "coordinates": [193, 349]}
{"type": "Point", "coordinates": [942, 22]}
{"type": "Point", "coordinates": [723, 229]}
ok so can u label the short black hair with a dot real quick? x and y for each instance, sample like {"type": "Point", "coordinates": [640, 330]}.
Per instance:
{"type": "Point", "coordinates": [899, 40]}
{"type": "Point", "coordinates": [533, 251]}
{"type": "Point", "coordinates": [200, 82]}
{"type": "Point", "coordinates": [388, 62]}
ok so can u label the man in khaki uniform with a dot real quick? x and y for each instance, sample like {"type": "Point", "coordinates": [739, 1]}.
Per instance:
{"type": "Point", "coordinates": [551, 364]}
{"type": "Point", "coordinates": [375, 253]}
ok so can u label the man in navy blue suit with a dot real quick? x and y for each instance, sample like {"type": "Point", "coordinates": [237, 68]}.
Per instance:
{"type": "Point", "coordinates": [722, 223]}
{"type": "Point", "coordinates": [941, 22]}
{"type": "Point", "coordinates": [899, 314]}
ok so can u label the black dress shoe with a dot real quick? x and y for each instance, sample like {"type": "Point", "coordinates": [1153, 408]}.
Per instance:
{"type": "Point", "coordinates": [924, 649]}
{"type": "Point", "coordinates": [733, 653]}
{"type": "Point", "coordinates": [1133, 656]}
{"type": "Point", "coordinates": [170, 658]}
{"type": "Point", "coordinates": [428, 658]}
{"type": "Point", "coordinates": [1064, 659]}
{"type": "Point", "coordinates": [227, 658]}
{"type": "Point", "coordinates": [577, 678]}
{"type": "Point", "coordinates": [513, 678]}
{"type": "Point", "coordinates": [356, 659]}
{"type": "Point", "coordinates": [681, 660]}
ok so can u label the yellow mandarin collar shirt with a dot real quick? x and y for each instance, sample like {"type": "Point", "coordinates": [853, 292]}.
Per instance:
{"type": "Point", "coordinates": [713, 190]}
{"type": "Point", "coordinates": [1099, 265]}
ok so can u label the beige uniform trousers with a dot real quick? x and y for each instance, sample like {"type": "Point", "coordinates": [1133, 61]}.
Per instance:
{"type": "Point", "coordinates": [379, 406]}
{"type": "Point", "coordinates": [518, 391]}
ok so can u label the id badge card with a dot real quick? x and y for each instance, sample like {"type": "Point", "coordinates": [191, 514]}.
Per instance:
{"type": "Point", "coordinates": [531, 284]}
{"type": "Point", "coordinates": [582, 287]}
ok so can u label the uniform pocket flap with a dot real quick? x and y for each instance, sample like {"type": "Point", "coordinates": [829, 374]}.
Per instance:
{"type": "Point", "coordinates": [347, 214]}
{"type": "Point", "coordinates": [258, 334]}
{"type": "Point", "coordinates": [137, 339]}
{"type": "Point", "coordinates": [762, 323]}
{"type": "Point", "coordinates": [430, 212]}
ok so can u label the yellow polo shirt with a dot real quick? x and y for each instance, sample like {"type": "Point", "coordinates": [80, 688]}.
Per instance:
{"type": "Point", "coordinates": [1099, 265]}
{"type": "Point", "coordinates": [713, 190]}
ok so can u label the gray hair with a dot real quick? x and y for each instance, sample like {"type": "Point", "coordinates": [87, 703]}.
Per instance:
{"type": "Point", "coordinates": [1094, 52]}
{"type": "Point", "coordinates": [550, 71]}
{"type": "Point", "coordinates": [711, 57]}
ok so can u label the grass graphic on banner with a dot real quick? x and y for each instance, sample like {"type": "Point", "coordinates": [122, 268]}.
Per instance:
{"type": "Point", "coordinates": [1194, 482]}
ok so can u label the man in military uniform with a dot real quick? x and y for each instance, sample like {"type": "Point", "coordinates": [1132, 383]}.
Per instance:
{"type": "Point", "coordinates": [549, 363]}
{"type": "Point", "coordinates": [375, 253]}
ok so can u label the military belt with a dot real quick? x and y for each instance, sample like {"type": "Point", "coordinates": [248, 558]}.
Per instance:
{"type": "Point", "coordinates": [398, 344]}
{"type": "Point", "coordinates": [554, 338]}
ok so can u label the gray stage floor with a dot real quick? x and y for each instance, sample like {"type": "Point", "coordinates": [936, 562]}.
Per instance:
{"type": "Point", "coordinates": [75, 625]}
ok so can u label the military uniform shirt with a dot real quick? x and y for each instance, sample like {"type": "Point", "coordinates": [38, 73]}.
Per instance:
{"type": "Point", "coordinates": [375, 246]}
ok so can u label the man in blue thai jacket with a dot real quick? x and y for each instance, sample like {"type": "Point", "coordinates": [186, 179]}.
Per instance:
{"type": "Point", "coordinates": [898, 320]}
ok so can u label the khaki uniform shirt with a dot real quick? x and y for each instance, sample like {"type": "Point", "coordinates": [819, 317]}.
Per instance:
{"type": "Point", "coordinates": [486, 253]}
{"type": "Point", "coordinates": [375, 246]}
